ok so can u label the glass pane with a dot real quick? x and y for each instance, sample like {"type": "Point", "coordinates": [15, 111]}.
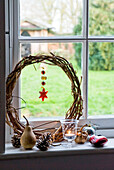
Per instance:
{"type": "Point", "coordinates": [101, 17]}
{"type": "Point", "coordinates": [101, 78]}
{"type": "Point", "coordinates": [50, 17]}
{"type": "Point", "coordinates": [57, 84]}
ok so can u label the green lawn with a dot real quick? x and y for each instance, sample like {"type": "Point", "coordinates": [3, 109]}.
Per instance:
{"type": "Point", "coordinates": [101, 94]}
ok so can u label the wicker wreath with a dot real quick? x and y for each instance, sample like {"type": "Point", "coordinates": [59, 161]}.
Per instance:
{"type": "Point", "coordinates": [74, 112]}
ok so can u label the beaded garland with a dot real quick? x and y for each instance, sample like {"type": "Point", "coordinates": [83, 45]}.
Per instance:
{"type": "Point", "coordinates": [43, 92]}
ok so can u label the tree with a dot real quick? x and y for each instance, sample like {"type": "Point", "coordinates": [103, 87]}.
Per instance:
{"type": "Point", "coordinates": [61, 14]}
{"type": "Point", "coordinates": [100, 23]}
{"type": "Point", "coordinates": [77, 46]}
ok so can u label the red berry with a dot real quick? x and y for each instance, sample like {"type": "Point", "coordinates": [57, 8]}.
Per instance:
{"type": "Point", "coordinates": [43, 72]}
{"type": "Point", "coordinates": [43, 83]}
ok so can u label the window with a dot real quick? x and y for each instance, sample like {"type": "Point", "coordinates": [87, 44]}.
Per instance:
{"type": "Point", "coordinates": [92, 38]}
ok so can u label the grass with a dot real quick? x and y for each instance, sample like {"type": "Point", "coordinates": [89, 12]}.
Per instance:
{"type": "Point", "coordinates": [101, 94]}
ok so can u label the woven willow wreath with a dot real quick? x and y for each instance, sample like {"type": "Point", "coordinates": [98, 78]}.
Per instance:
{"type": "Point", "coordinates": [74, 112]}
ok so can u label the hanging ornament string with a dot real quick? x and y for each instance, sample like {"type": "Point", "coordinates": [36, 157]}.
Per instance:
{"type": "Point", "coordinates": [43, 93]}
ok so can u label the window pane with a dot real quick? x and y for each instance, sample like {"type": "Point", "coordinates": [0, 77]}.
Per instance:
{"type": "Point", "coordinates": [101, 78]}
{"type": "Point", "coordinates": [101, 17]}
{"type": "Point", "coordinates": [50, 17]}
{"type": "Point", "coordinates": [58, 84]}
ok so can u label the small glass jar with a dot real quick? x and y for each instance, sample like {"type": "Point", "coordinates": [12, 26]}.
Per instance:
{"type": "Point", "coordinates": [69, 128]}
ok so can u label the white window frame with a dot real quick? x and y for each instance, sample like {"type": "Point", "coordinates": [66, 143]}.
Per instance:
{"type": "Point", "coordinates": [2, 76]}
{"type": "Point", "coordinates": [13, 40]}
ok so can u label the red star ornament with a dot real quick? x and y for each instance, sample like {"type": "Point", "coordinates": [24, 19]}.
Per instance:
{"type": "Point", "coordinates": [43, 94]}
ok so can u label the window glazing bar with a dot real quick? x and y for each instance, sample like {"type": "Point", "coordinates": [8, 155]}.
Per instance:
{"type": "Point", "coordinates": [85, 78]}
{"type": "Point", "coordinates": [85, 57]}
{"type": "Point", "coordinates": [71, 38]}
{"type": "Point", "coordinates": [50, 39]}
{"type": "Point", "coordinates": [85, 23]}
{"type": "Point", "coordinates": [99, 38]}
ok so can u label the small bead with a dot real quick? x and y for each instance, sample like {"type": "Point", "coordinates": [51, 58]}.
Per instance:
{"type": "Point", "coordinates": [43, 77]}
{"type": "Point", "coordinates": [43, 83]}
{"type": "Point", "coordinates": [43, 72]}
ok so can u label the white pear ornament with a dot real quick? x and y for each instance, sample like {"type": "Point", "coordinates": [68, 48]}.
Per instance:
{"type": "Point", "coordinates": [28, 138]}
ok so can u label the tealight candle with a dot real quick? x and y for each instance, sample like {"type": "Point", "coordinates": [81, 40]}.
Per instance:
{"type": "Point", "coordinates": [70, 136]}
{"type": "Point", "coordinates": [69, 130]}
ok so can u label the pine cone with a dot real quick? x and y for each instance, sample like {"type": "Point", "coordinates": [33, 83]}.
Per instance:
{"type": "Point", "coordinates": [16, 141]}
{"type": "Point", "coordinates": [44, 141]}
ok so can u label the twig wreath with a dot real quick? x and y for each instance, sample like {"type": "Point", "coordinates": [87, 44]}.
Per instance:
{"type": "Point", "coordinates": [74, 112]}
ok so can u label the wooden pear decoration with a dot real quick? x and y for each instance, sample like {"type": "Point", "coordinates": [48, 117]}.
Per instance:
{"type": "Point", "coordinates": [28, 138]}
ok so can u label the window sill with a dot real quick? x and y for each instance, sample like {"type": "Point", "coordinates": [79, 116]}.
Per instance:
{"type": "Point", "coordinates": [77, 149]}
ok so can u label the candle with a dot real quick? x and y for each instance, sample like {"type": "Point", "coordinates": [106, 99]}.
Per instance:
{"type": "Point", "coordinates": [69, 135]}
